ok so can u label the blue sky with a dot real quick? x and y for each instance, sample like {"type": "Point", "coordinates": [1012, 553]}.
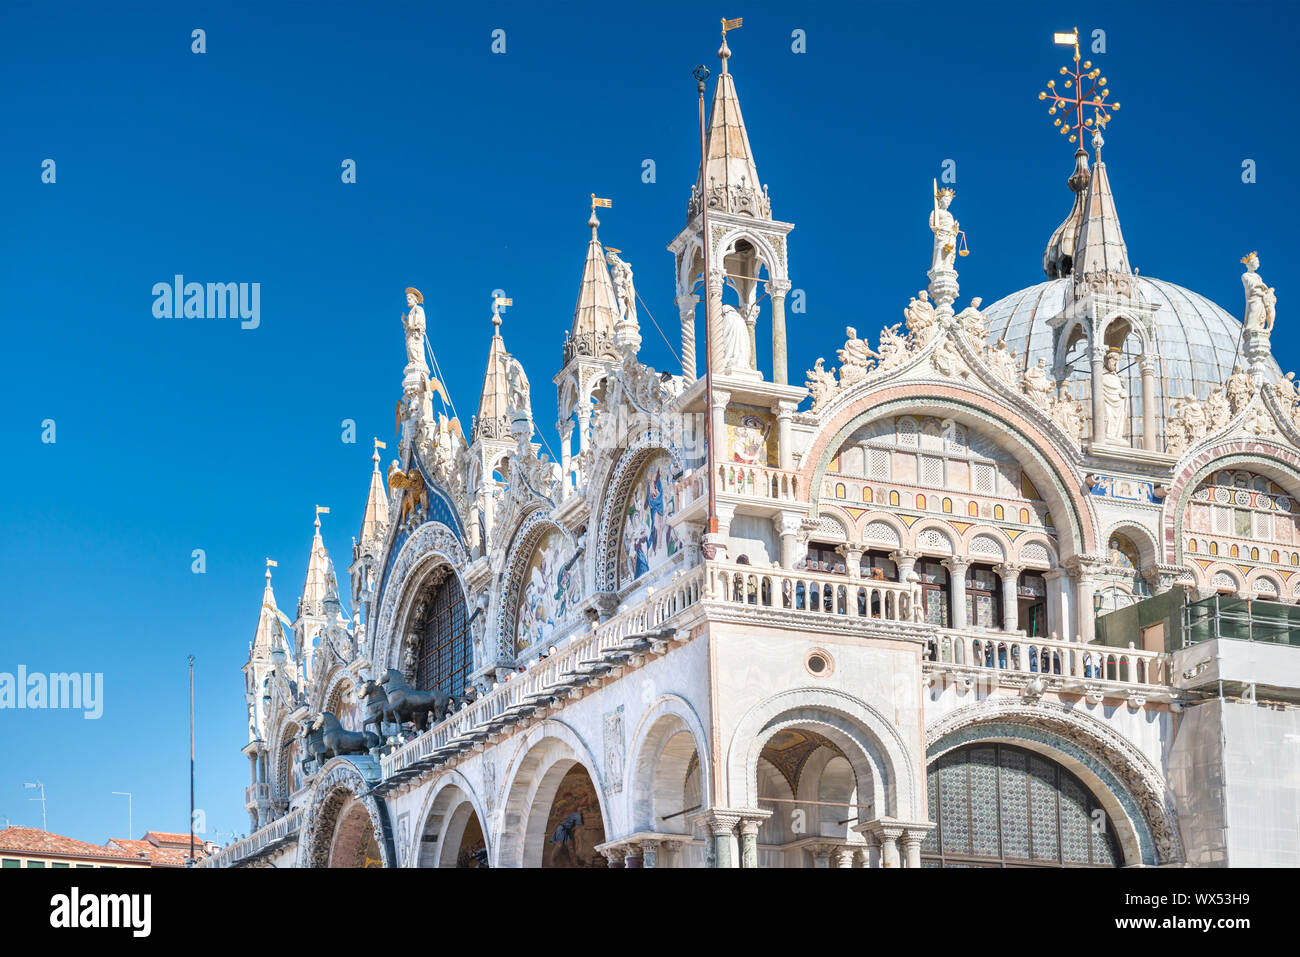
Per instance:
{"type": "Point", "coordinates": [473, 173]}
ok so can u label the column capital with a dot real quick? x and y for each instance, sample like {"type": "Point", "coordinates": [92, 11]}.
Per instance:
{"type": "Point", "coordinates": [1009, 570]}
{"type": "Point", "coordinates": [777, 288]}
{"type": "Point", "coordinates": [787, 523]}
{"type": "Point", "coordinates": [1084, 566]}
{"type": "Point", "coordinates": [687, 302]}
{"type": "Point", "coordinates": [957, 564]}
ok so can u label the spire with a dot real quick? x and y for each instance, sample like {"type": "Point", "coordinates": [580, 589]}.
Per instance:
{"type": "Point", "coordinates": [268, 634]}
{"type": "Point", "coordinates": [1058, 257]}
{"type": "Point", "coordinates": [596, 312]}
{"type": "Point", "coordinates": [375, 521]}
{"type": "Point", "coordinates": [1100, 256]}
{"type": "Point", "coordinates": [493, 418]}
{"type": "Point", "coordinates": [320, 571]}
{"type": "Point", "coordinates": [731, 181]}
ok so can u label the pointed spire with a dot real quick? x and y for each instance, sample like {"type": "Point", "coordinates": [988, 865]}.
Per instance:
{"type": "Point", "coordinates": [374, 524]}
{"type": "Point", "coordinates": [1058, 257]}
{"type": "Point", "coordinates": [596, 312]}
{"type": "Point", "coordinates": [493, 418]}
{"type": "Point", "coordinates": [269, 637]}
{"type": "Point", "coordinates": [1100, 256]}
{"type": "Point", "coordinates": [730, 182]}
{"type": "Point", "coordinates": [319, 572]}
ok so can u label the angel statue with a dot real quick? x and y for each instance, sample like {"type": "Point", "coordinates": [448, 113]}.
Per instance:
{"type": "Point", "coordinates": [945, 229]}
{"type": "Point", "coordinates": [821, 384]}
{"type": "Point", "coordinates": [922, 321]}
{"type": "Point", "coordinates": [1261, 300]}
{"type": "Point", "coordinates": [971, 321]}
{"type": "Point", "coordinates": [517, 380]}
{"type": "Point", "coordinates": [413, 322]}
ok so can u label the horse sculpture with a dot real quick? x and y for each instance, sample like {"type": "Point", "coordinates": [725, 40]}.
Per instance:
{"type": "Point", "coordinates": [338, 741]}
{"type": "Point", "coordinates": [407, 704]}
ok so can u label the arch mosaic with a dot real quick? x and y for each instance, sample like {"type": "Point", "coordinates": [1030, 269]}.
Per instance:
{"type": "Point", "coordinates": [340, 784]}
{"type": "Point", "coordinates": [1131, 789]}
{"type": "Point", "coordinates": [543, 556]}
{"type": "Point", "coordinates": [880, 757]}
{"type": "Point", "coordinates": [618, 491]}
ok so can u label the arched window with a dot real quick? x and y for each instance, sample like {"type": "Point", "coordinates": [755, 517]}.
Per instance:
{"type": "Point", "coordinates": [443, 658]}
{"type": "Point", "coordinates": [1001, 806]}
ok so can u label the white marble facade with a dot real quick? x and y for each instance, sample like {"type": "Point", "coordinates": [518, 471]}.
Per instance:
{"type": "Point", "coordinates": [895, 615]}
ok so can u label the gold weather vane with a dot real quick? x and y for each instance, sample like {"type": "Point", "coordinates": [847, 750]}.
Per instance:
{"type": "Point", "coordinates": [1077, 100]}
{"type": "Point", "coordinates": [322, 510]}
{"type": "Point", "coordinates": [731, 25]}
{"type": "Point", "coordinates": [380, 445]}
{"type": "Point", "coordinates": [603, 203]}
{"type": "Point", "coordinates": [272, 564]}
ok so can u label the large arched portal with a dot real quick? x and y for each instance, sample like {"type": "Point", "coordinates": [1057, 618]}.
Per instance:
{"type": "Point", "coordinates": [452, 835]}
{"type": "Point", "coordinates": [997, 805]}
{"type": "Point", "coordinates": [354, 843]}
{"type": "Point", "coordinates": [574, 824]}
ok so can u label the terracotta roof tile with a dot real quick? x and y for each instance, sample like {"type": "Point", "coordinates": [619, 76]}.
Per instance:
{"type": "Point", "coordinates": [34, 841]}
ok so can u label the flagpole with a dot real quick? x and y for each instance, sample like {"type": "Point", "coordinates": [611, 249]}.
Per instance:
{"type": "Point", "coordinates": [191, 663]}
{"type": "Point", "coordinates": [701, 75]}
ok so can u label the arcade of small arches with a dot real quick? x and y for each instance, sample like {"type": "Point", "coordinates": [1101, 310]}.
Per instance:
{"type": "Point", "coordinates": [823, 791]}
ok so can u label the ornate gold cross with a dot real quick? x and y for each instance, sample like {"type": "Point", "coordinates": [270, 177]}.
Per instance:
{"type": "Point", "coordinates": [1076, 100]}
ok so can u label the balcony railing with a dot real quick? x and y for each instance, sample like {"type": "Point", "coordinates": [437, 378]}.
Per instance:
{"type": "Point", "coordinates": [257, 792]}
{"type": "Point", "coordinates": [1050, 656]}
{"type": "Point", "coordinates": [818, 593]}
{"type": "Point", "coordinates": [748, 481]}
{"type": "Point", "coordinates": [278, 830]}
{"type": "Point", "coordinates": [581, 659]}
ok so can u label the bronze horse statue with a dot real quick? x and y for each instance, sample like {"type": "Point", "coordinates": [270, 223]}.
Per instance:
{"type": "Point", "coordinates": [338, 741]}
{"type": "Point", "coordinates": [407, 704]}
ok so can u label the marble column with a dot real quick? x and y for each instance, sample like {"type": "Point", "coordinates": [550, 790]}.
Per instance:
{"type": "Point", "coordinates": [719, 413]}
{"type": "Point", "coordinates": [714, 314]}
{"type": "Point", "coordinates": [1085, 587]}
{"type": "Point", "coordinates": [821, 854]}
{"type": "Point", "coordinates": [777, 289]}
{"type": "Point", "coordinates": [906, 562]}
{"type": "Point", "coordinates": [1098, 397]}
{"type": "Point", "coordinates": [686, 310]}
{"type": "Point", "coordinates": [911, 842]}
{"type": "Point", "coordinates": [613, 856]}
{"type": "Point", "coordinates": [957, 589]}
{"type": "Point", "coordinates": [584, 425]}
{"type": "Point", "coordinates": [852, 558]}
{"type": "Point", "coordinates": [1150, 440]}
{"type": "Point", "coordinates": [788, 526]}
{"type": "Point", "coordinates": [632, 855]}
{"type": "Point", "coordinates": [1010, 599]}
{"type": "Point", "coordinates": [749, 840]}
{"type": "Point", "coordinates": [844, 856]}
{"type": "Point", "coordinates": [722, 832]}
{"type": "Point", "coordinates": [784, 437]}
{"type": "Point", "coordinates": [889, 856]}
{"type": "Point", "coordinates": [1055, 602]}
{"type": "Point", "coordinates": [649, 853]}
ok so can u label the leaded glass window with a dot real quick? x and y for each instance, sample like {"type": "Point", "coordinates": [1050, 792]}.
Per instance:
{"type": "Point", "coordinates": [444, 660]}
{"type": "Point", "coordinates": [1000, 806]}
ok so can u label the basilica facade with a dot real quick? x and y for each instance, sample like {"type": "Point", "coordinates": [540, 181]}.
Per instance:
{"type": "Point", "coordinates": [895, 617]}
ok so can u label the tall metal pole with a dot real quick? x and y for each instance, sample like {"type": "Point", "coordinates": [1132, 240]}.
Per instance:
{"type": "Point", "coordinates": [701, 75]}
{"type": "Point", "coordinates": [191, 662]}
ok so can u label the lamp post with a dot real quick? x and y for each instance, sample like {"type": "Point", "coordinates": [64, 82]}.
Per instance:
{"type": "Point", "coordinates": [130, 823]}
{"type": "Point", "coordinates": [41, 787]}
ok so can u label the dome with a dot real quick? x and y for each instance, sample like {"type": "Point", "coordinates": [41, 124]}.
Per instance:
{"type": "Point", "coordinates": [1196, 341]}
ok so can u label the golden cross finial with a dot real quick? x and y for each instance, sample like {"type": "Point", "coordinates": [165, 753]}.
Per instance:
{"type": "Point", "coordinates": [1076, 100]}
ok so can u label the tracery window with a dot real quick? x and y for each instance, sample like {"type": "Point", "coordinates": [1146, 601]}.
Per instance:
{"type": "Point", "coordinates": [1001, 806]}
{"type": "Point", "coordinates": [443, 658]}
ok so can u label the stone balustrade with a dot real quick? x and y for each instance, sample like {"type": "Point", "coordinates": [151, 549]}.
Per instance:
{"type": "Point", "coordinates": [818, 593]}
{"type": "Point", "coordinates": [1049, 657]}
{"type": "Point", "coordinates": [278, 830]}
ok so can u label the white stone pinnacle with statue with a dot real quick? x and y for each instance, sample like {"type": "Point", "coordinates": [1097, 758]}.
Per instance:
{"type": "Point", "coordinates": [604, 643]}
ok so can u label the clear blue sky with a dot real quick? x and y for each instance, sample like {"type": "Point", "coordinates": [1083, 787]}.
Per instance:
{"type": "Point", "coordinates": [473, 174]}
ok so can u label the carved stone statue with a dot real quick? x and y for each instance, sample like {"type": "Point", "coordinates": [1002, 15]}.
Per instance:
{"type": "Point", "coordinates": [821, 385]}
{"type": "Point", "coordinates": [620, 272]}
{"type": "Point", "coordinates": [736, 355]}
{"type": "Point", "coordinates": [971, 321]}
{"type": "Point", "coordinates": [413, 322]}
{"type": "Point", "coordinates": [922, 322]}
{"type": "Point", "coordinates": [1261, 300]}
{"type": "Point", "coordinates": [1002, 363]}
{"type": "Point", "coordinates": [517, 379]}
{"type": "Point", "coordinates": [1114, 398]}
{"type": "Point", "coordinates": [1067, 411]}
{"type": "Point", "coordinates": [1217, 409]}
{"type": "Point", "coordinates": [1187, 424]}
{"type": "Point", "coordinates": [1239, 389]}
{"type": "Point", "coordinates": [1037, 386]}
{"type": "Point", "coordinates": [856, 359]}
{"type": "Point", "coordinates": [893, 347]}
{"type": "Point", "coordinates": [1286, 391]}
{"type": "Point", "coordinates": [947, 361]}
{"type": "Point", "coordinates": [945, 229]}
